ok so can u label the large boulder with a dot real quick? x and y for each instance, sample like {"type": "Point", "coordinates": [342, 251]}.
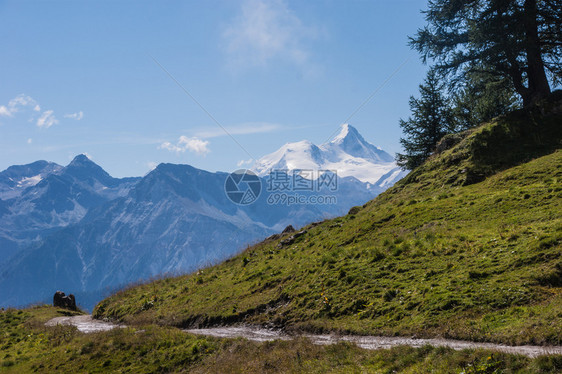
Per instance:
{"type": "Point", "coordinates": [60, 300]}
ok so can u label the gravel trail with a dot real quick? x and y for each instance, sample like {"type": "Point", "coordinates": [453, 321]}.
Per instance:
{"type": "Point", "coordinates": [86, 324]}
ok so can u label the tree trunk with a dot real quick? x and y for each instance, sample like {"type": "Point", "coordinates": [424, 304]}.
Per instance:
{"type": "Point", "coordinates": [536, 75]}
{"type": "Point", "coordinates": [515, 73]}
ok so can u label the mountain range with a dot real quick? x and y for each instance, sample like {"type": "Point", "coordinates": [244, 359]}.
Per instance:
{"type": "Point", "coordinates": [349, 154]}
{"type": "Point", "coordinates": [42, 197]}
{"type": "Point", "coordinates": [78, 229]}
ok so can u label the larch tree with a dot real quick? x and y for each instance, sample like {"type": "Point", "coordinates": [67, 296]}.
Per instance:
{"type": "Point", "coordinates": [516, 39]}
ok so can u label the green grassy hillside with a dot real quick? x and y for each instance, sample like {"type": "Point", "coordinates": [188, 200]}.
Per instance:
{"type": "Point", "coordinates": [468, 246]}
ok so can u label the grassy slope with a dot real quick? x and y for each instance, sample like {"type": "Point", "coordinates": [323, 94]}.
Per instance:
{"type": "Point", "coordinates": [468, 246]}
{"type": "Point", "coordinates": [26, 345]}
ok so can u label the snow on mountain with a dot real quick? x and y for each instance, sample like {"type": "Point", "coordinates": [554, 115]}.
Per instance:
{"type": "Point", "coordinates": [391, 177]}
{"type": "Point", "coordinates": [15, 179]}
{"type": "Point", "coordinates": [43, 197]}
{"type": "Point", "coordinates": [79, 229]}
{"type": "Point", "coordinates": [299, 155]}
{"type": "Point", "coordinates": [348, 153]}
{"type": "Point", "coordinates": [175, 219]}
{"type": "Point", "coordinates": [352, 143]}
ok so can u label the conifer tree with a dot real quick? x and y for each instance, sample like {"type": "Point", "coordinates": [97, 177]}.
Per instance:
{"type": "Point", "coordinates": [481, 98]}
{"type": "Point", "coordinates": [429, 122]}
{"type": "Point", "coordinates": [516, 39]}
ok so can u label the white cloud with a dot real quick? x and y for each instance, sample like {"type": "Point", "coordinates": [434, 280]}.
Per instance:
{"type": "Point", "coordinates": [151, 165]}
{"type": "Point", "coordinates": [22, 101]}
{"type": "Point", "coordinates": [29, 141]}
{"type": "Point", "coordinates": [47, 119]}
{"type": "Point", "coordinates": [244, 162]}
{"type": "Point", "coordinates": [16, 104]}
{"type": "Point", "coordinates": [266, 30]}
{"type": "Point", "coordinates": [185, 143]}
{"type": "Point", "coordinates": [244, 129]}
{"type": "Point", "coordinates": [77, 116]}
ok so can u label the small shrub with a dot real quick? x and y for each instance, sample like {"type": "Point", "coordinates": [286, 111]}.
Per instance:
{"type": "Point", "coordinates": [377, 255]}
{"type": "Point", "coordinates": [353, 211]}
{"type": "Point", "coordinates": [473, 274]}
{"type": "Point", "coordinates": [389, 295]}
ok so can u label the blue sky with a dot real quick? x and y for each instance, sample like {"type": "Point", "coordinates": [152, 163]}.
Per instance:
{"type": "Point", "coordinates": [79, 77]}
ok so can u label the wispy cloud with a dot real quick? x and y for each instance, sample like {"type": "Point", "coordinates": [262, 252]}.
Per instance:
{"type": "Point", "coordinates": [23, 103]}
{"type": "Point", "coordinates": [267, 30]}
{"type": "Point", "coordinates": [243, 129]}
{"type": "Point", "coordinates": [47, 119]}
{"type": "Point", "coordinates": [244, 162]}
{"type": "Point", "coordinates": [77, 116]}
{"type": "Point", "coordinates": [17, 103]}
{"type": "Point", "coordinates": [185, 143]}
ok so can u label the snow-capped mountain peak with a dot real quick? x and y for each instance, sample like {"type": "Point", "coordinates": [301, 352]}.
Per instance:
{"type": "Point", "coordinates": [298, 155]}
{"type": "Point", "coordinates": [348, 153]}
{"type": "Point", "coordinates": [351, 142]}
{"type": "Point", "coordinates": [346, 131]}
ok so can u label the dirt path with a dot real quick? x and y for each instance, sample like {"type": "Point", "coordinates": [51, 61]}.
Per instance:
{"type": "Point", "coordinates": [86, 324]}
{"type": "Point", "coordinates": [374, 342]}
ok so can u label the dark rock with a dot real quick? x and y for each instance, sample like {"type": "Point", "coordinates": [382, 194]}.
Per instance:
{"type": "Point", "coordinates": [273, 237]}
{"type": "Point", "coordinates": [287, 241]}
{"type": "Point", "coordinates": [300, 233]}
{"type": "Point", "coordinates": [288, 229]}
{"type": "Point", "coordinates": [60, 300]}
{"type": "Point", "coordinates": [291, 239]}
